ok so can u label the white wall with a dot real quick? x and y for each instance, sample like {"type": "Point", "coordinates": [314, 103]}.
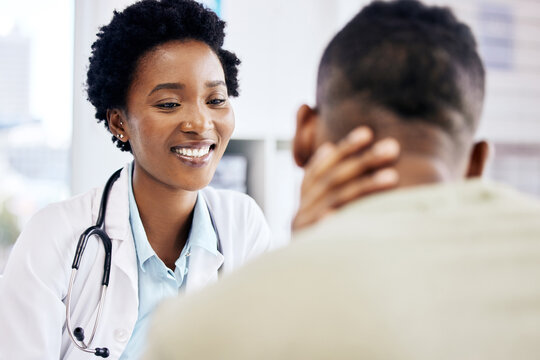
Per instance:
{"type": "Point", "coordinates": [280, 43]}
{"type": "Point", "coordinates": [511, 112]}
{"type": "Point", "coordinates": [93, 155]}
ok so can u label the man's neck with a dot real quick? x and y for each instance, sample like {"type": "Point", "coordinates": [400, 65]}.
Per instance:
{"type": "Point", "coordinates": [416, 169]}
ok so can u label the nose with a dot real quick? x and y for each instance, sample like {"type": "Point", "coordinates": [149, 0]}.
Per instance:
{"type": "Point", "coordinates": [197, 120]}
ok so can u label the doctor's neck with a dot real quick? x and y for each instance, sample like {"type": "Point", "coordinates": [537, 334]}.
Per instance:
{"type": "Point", "coordinates": [166, 214]}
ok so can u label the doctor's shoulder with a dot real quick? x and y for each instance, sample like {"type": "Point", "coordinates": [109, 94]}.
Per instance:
{"type": "Point", "coordinates": [67, 217]}
{"type": "Point", "coordinates": [240, 222]}
{"type": "Point", "coordinates": [36, 277]}
{"type": "Point", "coordinates": [59, 224]}
{"type": "Point", "coordinates": [63, 222]}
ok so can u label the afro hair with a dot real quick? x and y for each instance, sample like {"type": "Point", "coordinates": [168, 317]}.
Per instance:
{"type": "Point", "coordinates": [137, 30]}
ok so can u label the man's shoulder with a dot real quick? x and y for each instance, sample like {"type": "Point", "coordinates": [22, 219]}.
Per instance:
{"type": "Point", "coordinates": [442, 210]}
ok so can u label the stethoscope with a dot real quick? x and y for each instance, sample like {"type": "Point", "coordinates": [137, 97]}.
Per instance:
{"type": "Point", "coordinates": [77, 336]}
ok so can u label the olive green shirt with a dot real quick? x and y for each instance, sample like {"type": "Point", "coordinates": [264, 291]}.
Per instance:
{"type": "Point", "coordinates": [434, 272]}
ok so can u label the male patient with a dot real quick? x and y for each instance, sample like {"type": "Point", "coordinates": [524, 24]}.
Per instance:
{"type": "Point", "coordinates": [441, 268]}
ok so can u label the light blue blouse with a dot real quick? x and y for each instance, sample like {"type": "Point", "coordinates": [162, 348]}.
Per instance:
{"type": "Point", "coordinates": [156, 281]}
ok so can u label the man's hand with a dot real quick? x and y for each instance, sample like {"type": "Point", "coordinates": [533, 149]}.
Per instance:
{"type": "Point", "coordinates": [338, 174]}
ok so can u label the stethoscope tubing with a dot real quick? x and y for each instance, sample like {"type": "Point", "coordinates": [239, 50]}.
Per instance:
{"type": "Point", "coordinates": [97, 230]}
{"type": "Point", "coordinates": [83, 346]}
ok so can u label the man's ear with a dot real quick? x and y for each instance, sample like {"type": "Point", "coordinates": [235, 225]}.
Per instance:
{"type": "Point", "coordinates": [304, 145]}
{"type": "Point", "coordinates": [479, 157]}
{"type": "Point", "coordinates": [116, 120]}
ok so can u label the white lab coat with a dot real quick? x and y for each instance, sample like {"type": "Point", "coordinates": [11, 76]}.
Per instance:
{"type": "Point", "coordinates": [35, 281]}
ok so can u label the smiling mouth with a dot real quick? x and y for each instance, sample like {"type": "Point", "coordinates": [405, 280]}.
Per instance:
{"type": "Point", "coordinates": [193, 152]}
{"type": "Point", "coordinates": [196, 155]}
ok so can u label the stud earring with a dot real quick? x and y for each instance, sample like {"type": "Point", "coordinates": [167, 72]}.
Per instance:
{"type": "Point", "coordinates": [120, 136]}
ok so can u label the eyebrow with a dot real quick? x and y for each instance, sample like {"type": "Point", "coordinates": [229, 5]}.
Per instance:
{"type": "Point", "coordinates": [215, 83]}
{"type": "Point", "coordinates": [174, 86]}
{"type": "Point", "coordinates": [180, 86]}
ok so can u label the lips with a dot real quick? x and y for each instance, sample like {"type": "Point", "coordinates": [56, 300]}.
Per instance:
{"type": "Point", "coordinates": [195, 154]}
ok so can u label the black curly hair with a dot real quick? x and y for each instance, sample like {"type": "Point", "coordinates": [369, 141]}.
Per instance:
{"type": "Point", "coordinates": [140, 28]}
{"type": "Point", "coordinates": [415, 60]}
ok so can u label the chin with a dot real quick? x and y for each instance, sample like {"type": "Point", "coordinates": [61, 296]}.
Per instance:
{"type": "Point", "coordinates": [194, 185]}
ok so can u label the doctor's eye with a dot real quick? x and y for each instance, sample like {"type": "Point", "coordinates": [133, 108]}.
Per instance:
{"type": "Point", "coordinates": [168, 105]}
{"type": "Point", "coordinates": [217, 101]}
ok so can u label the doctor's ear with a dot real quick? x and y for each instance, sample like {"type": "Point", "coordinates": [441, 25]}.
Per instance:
{"type": "Point", "coordinates": [117, 122]}
{"type": "Point", "coordinates": [304, 144]}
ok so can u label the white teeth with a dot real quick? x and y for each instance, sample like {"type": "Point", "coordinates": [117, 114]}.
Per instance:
{"type": "Point", "coordinates": [193, 152]}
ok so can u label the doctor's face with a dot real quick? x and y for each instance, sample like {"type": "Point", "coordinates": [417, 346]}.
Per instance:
{"type": "Point", "coordinates": [179, 119]}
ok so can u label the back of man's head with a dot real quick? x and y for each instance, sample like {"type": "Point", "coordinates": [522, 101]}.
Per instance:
{"type": "Point", "coordinates": [415, 62]}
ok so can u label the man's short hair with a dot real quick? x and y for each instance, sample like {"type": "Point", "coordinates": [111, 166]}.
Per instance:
{"type": "Point", "coordinates": [417, 61]}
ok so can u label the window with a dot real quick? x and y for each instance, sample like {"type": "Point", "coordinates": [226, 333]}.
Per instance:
{"type": "Point", "coordinates": [36, 51]}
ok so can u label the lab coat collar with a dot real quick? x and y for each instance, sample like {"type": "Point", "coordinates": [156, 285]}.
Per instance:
{"type": "Point", "coordinates": [142, 246]}
{"type": "Point", "coordinates": [204, 264]}
{"type": "Point", "coordinates": [117, 226]}
{"type": "Point", "coordinates": [203, 268]}
{"type": "Point", "coordinates": [202, 232]}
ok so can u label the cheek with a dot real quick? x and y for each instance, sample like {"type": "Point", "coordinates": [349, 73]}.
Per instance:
{"type": "Point", "coordinates": [226, 126]}
{"type": "Point", "coordinates": [145, 134]}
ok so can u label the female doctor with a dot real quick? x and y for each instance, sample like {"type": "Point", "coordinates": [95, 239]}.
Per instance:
{"type": "Point", "coordinates": [160, 82]}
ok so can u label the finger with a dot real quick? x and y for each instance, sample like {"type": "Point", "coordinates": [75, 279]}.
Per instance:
{"type": "Point", "coordinates": [381, 180]}
{"type": "Point", "coordinates": [383, 153]}
{"type": "Point", "coordinates": [306, 219]}
{"type": "Point", "coordinates": [358, 139]}
{"type": "Point", "coordinates": [330, 154]}
{"type": "Point", "coordinates": [386, 148]}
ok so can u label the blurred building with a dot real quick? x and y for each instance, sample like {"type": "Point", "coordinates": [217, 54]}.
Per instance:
{"type": "Point", "coordinates": [14, 79]}
{"type": "Point", "coordinates": [34, 167]}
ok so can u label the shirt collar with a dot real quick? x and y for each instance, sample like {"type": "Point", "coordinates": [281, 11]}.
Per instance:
{"type": "Point", "coordinates": [202, 233]}
{"type": "Point", "coordinates": [142, 246]}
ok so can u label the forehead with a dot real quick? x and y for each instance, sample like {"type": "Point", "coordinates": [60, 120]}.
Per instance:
{"type": "Point", "coordinates": [178, 61]}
